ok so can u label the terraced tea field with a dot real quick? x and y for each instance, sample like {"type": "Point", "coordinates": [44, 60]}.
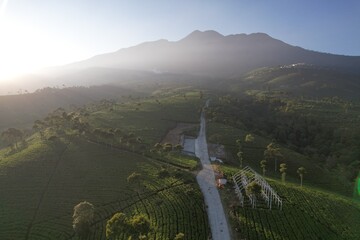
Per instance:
{"type": "Point", "coordinates": [307, 213]}
{"type": "Point", "coordinates": [150, 118]}
{"type": "Point", "coordinates": [38, 194]}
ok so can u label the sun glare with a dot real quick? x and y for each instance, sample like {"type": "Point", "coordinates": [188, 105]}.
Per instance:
{"type": "Point", "coordinates": [19, 49]}
{"type": "Point", "coordinates": [26, 49]}
{"type": "Point", "coordinates": [22, 49]}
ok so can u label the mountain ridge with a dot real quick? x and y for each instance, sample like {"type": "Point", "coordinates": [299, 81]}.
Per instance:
{"type": "Point", "coordinates": [206, 54]}
{"type": "Point", "coordinates": [211, 53]}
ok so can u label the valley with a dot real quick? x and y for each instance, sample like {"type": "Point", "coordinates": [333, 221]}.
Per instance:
{"type": "Point", "coordinates": [142, 143]}
{"type": "Point", "coordinates": [89, 153]}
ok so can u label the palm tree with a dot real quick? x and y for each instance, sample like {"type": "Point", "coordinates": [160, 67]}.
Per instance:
{"type": "Point", "coordinates": [240, 156]}
{"type": "Point", "coordinates": [263, 166]}
{"type": "Point", "coordinates": [301, 171]}
{"type": "Point", "coordinates": [272, 153]}
{"type": "Point", "coordinates": [158, 147]}
{"type": "Point", "coordinates": [12, 135]}
{"type": "Point", "coordinates": [238, 143]}
{"type": "Point", "coordinates": [249, 138]}
{"type": "Point", "coordinates": [240, 152]}
{"type": "Point", "coordinates": [135, 179]}
{"type": "Point", "coordinates": [283, 171]}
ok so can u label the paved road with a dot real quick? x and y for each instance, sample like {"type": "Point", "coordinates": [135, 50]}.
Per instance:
{"type": "Point", "coordinates": [206, 180]}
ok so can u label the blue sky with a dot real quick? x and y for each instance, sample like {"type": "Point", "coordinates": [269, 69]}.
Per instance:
{"type": "Point", "coordinates": [63, 31]}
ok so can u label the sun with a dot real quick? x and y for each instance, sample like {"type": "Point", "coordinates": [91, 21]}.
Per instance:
{"type": "Point", "coordinates": [17, 50]}
{"type": "Point", "coordinates": [25, 48]}
{"type": "Point", "coordinates": [22, 48]}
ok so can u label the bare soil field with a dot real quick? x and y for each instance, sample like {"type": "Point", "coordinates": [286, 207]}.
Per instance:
{"type": "Point", "coordinates": [174, 135]}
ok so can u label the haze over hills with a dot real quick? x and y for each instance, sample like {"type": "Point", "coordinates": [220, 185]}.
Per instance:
{"type": "Point", "coordinates": [212, 54]}
{"type": "Point", "coordinates": [207, 53]}
{"type": "Point", "coordinates": [295, 114]}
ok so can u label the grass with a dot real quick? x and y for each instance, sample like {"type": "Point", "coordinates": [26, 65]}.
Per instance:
{"type": "Point", "coordinates": [307, 214]}
{"type": "Point", "coordinates": [151, 118]}
{"type": "Point", "coordinates": [254, 153]}
{"type": "Point", "coordinates": [38, 195]}
{"type": "Point", "coordinates": [178, 159]}
{"type": "Point", "coordinates": [42, 183]}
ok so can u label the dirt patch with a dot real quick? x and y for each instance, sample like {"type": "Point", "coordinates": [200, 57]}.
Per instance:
{"type": "Point", "coordinates": [174, 135]}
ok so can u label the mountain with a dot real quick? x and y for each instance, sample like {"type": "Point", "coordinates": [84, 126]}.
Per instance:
{"type": "Point", "coordinates": [209, 53]}
{"type": "Point", "coordinates": [199, 55]}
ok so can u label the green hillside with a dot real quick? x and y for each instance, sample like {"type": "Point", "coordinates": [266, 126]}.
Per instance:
{"type": "Point", "coordinates": [89, 153]}
{"type": "Point", "coordinates": [23, 109]}
{"type": "Point", "coordinates": [308, 213]}
{"type": "Point", "coordinates": [299, 80]}
{"type": "Point", "coordinates": [65, 163]}
{"type": "Point", "coordinates": [320, 135]}
{"type": "Point", "coordinates": [307, 133]}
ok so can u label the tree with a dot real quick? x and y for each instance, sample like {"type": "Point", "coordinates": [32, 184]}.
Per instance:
{"type": "Point", "coordinates": [179, 147]}
{"type": "Point", "coordinates": [283, 168]}
{"type": "Point", "coordinates": [12, 136]}
{"type": "Point", "coordinates": [167, 147]}
{"type": "Point", "coordinates": [239, 143]}
{"type": "Point", "coordinates": [249, 138]}
{"type": "Point", "coordinates": [117, 133]}
{"type": "Point", "coordinates": [253, 188]}
{"type": "Point", "coordinates": [272, 153]}
{"type": "Point", "coordinates": [140, 224]}
{"type": "Point", "coordinates": [179, 236]}
{"type": "Point", "coordinates": [263, 166]}
{"type": "Point", "coordinates": [39, 126]}
{"type": "Point", "coordinates": [82, 219]}
{"type": "Point", "coordinates": [158, 147]}
{"type": "Point", "coordinates": [116, 225]}
{"type": "Point", "coordinates": [240, 156]}
{"type": "Point", "coordinates": [143, 237]}
{"type": "Point", "coordinates": [134, 177]}
{"type": "Point", "coordinates": [301, 171]}
{"type": "Point", "coordinates": [240, 152]}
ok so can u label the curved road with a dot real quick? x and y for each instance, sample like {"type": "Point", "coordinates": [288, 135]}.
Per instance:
{"type": "Point", "coordinates": [206, 180]}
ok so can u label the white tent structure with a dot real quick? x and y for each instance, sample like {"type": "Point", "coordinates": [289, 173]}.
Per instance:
{"type": "Point", "coordinates": [247, 175]}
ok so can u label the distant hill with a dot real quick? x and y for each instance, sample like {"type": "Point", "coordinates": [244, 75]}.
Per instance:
{"type": "Point", "coordinates": [298, 79]}
{"type": "Point", "coordinates": [22, 110]}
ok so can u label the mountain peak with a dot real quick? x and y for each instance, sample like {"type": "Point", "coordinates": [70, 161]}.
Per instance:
{"type": "Point", "coordinates": [203, 36]}
{"type": "Point", "coordinates": [259, 34]}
